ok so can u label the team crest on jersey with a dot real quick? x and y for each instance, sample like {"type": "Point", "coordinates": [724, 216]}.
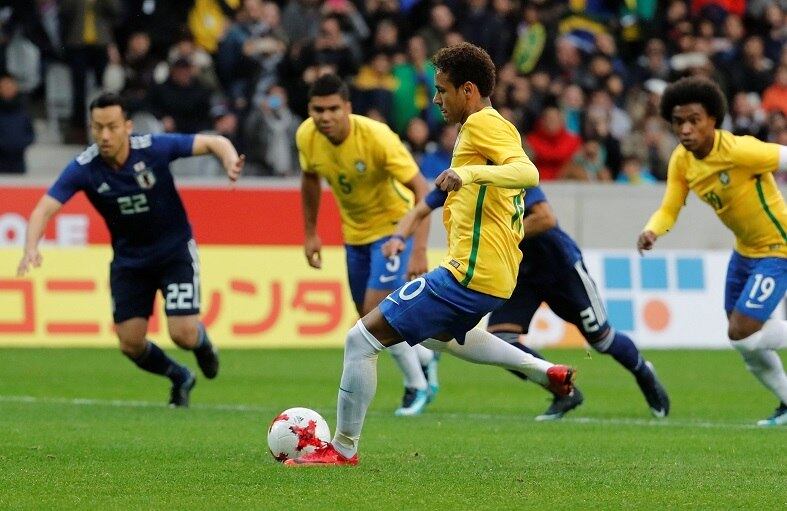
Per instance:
{"type": "Point", "coordinates": [724, 177]}
{"type": "Point", "coordinates": [144, 175]}
{"type": "Point", "coordinates": [146, 179]}
{"type": "Point", "coordinates": [360, 166]}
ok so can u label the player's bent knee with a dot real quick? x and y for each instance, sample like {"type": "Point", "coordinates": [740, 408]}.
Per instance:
{"type": "Point", "coordinates": [132, 348]}
{"type": "Point", "coordinates": [741, 326]}
{"type": "Point", "coordinates": [184, 336]}
{"type": "Point", "coordinates": [600, 341]}
{"type": "Point", "coordinates": [737, 331]}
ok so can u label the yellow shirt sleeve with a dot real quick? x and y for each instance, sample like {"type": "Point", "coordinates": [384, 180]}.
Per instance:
{"type": "Point", "coordinates": [501, 145]}
{"type": "Point", "coordinates": [755, 156]}
{"type": "Point", "coordinates": [674, 198]}
{"type": "Point", "coordinates": [516, 173]}
{"type": "Point", "coordinates": [301, 143]}
{"type": "Point", "coordinates": [394, 156]}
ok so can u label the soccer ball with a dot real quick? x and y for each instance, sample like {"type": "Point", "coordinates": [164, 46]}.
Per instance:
{"type": "Point", "coordinates": [295, 432]}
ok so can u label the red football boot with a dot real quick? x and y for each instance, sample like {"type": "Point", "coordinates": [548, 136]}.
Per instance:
{"type": "Point", "coordinates": [561, 379]}
{"type": "Point", "coordinates": [323, 456]}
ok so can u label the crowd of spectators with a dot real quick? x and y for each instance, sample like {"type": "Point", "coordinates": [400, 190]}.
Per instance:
{"type": "Point", "coordinates": [581, 79]}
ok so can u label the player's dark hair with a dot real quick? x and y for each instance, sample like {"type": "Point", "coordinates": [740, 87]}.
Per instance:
{"type": "Point", "coordinates": [329, 84]}
{"type": "Point", "coordinates": [694, 90]}
{"type": "Point", "coordinates": [108, 99]}
{"type": "Point", "coordinates": [465, 62]}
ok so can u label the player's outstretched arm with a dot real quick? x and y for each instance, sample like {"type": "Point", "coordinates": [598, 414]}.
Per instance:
{"type": "Point", "coordinates": [40, 216]}
{"type": "Point", "coordinates": [665, 217]}
{"type": "Point", "coordinates": [310, 199]}
{"type": "Point", "coordinates": [223, 149]}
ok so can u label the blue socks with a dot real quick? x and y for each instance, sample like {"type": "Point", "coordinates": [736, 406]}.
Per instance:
{"type": "Point", "coordinates": [155, 361]}
{"type": "Point", "coordinates": [623, 349]}
{"type": "Point", "coordinates": [618, 345]}
{"type": "Point", "coordinates": [203, 341]}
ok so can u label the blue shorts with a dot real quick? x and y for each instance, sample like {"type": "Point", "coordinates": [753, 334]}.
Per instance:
{"type": "Point", "coordinates": [134, 289]}
{"type": "Point", "coordinates": [569, 292]}
{"type": "Point", "coordinates": [755, 286]}
{"type": "Point", "coordinates": [434, 305]}
{"type": "Point", "coordinates": [368, 268]}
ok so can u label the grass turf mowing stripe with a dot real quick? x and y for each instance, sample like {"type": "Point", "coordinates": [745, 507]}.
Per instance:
{"type": "Point", "coordinates": [119, 403]}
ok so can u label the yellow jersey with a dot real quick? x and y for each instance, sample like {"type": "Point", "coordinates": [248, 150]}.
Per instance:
{"type": "Point", "coordinates": [484, 217]}
{"type": "Point", "coordinates": [736, 180]}
{"type": "Point", "coordinates": [366, 173]}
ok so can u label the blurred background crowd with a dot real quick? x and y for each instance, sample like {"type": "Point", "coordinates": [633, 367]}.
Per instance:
{"type": "Point", "coordinates": [581, 79]}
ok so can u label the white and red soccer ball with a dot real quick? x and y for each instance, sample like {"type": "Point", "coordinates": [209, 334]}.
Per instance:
{"type": "Point", "coordinates": [295, 432]}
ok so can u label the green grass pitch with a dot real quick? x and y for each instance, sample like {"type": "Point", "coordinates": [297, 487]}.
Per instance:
{"type": "Point", "coordinates": [84, 429]}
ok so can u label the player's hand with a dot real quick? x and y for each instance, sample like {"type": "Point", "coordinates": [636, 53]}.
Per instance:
{"type": "Point", "coordinates": [312, 248]}
{"type": "Point", "coordinates": [418, 264]}
{"type": "Point", "coordinates": [392, 247]}
{"type": "Point", "coordinates": [646, 241]}
{"type": "Point", "coordinates": [234, 167]}
{"type": "Point", "coordinates": [31, 258]}
{"type": "Point", "coordinates": [448, 181]}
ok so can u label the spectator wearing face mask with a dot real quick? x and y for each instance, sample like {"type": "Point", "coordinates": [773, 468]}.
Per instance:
{"type": "Point", "coordinates": [270, 129]}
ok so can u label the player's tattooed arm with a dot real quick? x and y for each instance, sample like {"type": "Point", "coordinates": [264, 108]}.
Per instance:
{"type": "Point", "coordinates": [409, 223]}
{"type": "Point", "coordinates": [223, 149]}
{"type": "Point", "coordinates": [40, 216]}
{"type": "Point", "coordinates": [405, 228]}
{"type": "Point", "coordinates": [418, 263]}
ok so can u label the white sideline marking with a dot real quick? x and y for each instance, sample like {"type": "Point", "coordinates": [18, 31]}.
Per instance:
{"type": "Point", "coordinates": [119, 403]}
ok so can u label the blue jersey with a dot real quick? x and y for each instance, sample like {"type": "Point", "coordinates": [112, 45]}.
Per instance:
{"type": "Point", "coordinates": [138, 201]}
{"type": "Point", "coordinates": [549, 252]}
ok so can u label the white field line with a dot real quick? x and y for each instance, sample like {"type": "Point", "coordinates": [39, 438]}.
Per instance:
{"type": "Point", "coordinates": [611, 421]}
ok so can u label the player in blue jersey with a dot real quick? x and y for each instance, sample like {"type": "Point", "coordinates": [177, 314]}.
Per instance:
{"type": "Point", "coordinates": [127, 179]}
{"type": "Point", "coordinates": [552, 271]}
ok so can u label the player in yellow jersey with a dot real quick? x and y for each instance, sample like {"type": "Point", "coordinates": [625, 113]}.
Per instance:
{"type": "Point", "coordinates": [734, 175]}
{"type": "Point", "coordinates": [376, 182]}
{"type": "Point", "coordinates": [483, 217]}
